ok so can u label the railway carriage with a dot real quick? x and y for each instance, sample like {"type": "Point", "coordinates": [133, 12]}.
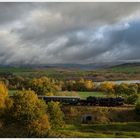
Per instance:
{"type": "Point", "coordinates": [62, 99]}
{"type": "Point", "coordinates": [90, 101]}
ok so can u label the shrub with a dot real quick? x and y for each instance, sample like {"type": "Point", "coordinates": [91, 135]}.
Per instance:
{"type": "Point", "coordinates": [39, 127]}
{"type": "Point", "coordinates": [133, 99]}
{"type": "Point", "coordinates": [56, 115]}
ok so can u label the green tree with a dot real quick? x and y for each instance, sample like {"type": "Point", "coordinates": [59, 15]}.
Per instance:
{"type": "Point", "coordinates": [56, 114]}
{"type": "Point", "coordinates": [121, 89]}
{"type": "Point", "coordinates": [133, 99]}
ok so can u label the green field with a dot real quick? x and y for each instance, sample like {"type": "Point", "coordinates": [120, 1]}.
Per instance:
{"type": "Point", "coordinates": [86, 94]}
{"type": "Point", "coordinates": [113, 130]}
{"type": "Point", "coordinates": [14, 69]}
{"type": "Point", "coordinates": [82, 95]}
{"type": "Point", "coordinates": [125, 69]}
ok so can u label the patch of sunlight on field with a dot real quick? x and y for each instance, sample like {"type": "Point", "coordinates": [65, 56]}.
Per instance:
{"type": "Point", "coordinates": [85, 94]}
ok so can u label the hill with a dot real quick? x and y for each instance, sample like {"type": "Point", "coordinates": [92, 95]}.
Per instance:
{"type": "Point", "coordinates": [129, 68]}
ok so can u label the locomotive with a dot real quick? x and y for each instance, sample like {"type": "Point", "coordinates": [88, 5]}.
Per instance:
{"type": "Point", "coordinates": [91, 100]}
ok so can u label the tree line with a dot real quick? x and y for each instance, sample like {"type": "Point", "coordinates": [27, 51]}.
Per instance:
{"type": "Point", "coordinates": [52, 87]}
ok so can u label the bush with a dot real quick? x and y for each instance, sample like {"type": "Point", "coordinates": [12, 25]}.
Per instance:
{"type": "Point", "coordinates": [56, 115]}
{"type": "Point", "coordinates": [133, 99]}
{"type": "Point", "coordinates": [39, 127]}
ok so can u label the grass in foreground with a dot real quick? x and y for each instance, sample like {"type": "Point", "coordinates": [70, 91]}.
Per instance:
{"type": "Point", "coordinates": [113, 130]}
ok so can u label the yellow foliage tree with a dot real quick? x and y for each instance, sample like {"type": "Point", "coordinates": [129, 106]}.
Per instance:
{"type": "Point", "coordinates": [27, 107]}
{"type": "Point", "coordinates": [89, 85]}
{"type": "Point", "coordinates": [3, 94]}
{"type": "Point", "coordinates": [107, 87]}
{"type": "Point", "coordinates": [39, 127]}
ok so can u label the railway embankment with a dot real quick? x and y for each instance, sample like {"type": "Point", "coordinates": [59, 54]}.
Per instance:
{"type": "Point", "coordinates": [96, 114]}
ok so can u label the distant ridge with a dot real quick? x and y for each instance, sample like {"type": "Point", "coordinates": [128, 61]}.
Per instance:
{"type": "Point", "coordinates": [90, 66]}
{"type": "Point", "coordinates": [127, 64]}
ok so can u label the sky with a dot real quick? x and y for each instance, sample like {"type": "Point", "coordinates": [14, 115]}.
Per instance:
{"type": "Point", "coordinates": [50, 33]}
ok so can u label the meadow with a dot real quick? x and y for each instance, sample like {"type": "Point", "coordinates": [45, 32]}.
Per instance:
{"type": "Point", "coordinates": [112, 130]}
{"type": "Point", "coordinates": [123, 69]}
{"type": "Point", "coordinates": [85, 94]}
{"type": "Point", "coordinates": [82, 95]}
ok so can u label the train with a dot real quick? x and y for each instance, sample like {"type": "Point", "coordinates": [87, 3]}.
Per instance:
{"type": "Point", "coordinates": [89, 101]}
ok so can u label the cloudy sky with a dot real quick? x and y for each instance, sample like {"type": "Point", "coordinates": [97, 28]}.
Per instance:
{"type": "Point", "coordinates": [48, 33]}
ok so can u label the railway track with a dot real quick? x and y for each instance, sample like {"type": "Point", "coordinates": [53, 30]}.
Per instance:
{"type": "Point", "coordinates": [122, 106]}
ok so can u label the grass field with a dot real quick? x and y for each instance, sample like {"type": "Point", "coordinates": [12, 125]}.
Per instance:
{"type": "Point", "coordinates": [82, 95]}
{"type": "Point", "coordinates": [113, 130]}
{"type": "Point", "coordinates": [125, 69]}
{"type": "Point", "coordinates": [85, 94]}
{"type": "Point", "coordinates": [14, 69]}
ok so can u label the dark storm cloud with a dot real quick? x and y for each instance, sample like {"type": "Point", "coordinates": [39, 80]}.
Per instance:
{"type": "Point", "coordinates": [42, 33]}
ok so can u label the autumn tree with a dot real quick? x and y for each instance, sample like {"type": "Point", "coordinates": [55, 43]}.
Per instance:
{"type": "Point", "coordinates": [69, 85]}
{"type": "Point", "coordinates": [5, 101]}
{"type": "Point", "coordinates": [3, 94]}
{"type": "Point", "coordinates": [27, 107]}
{"type": "Point", "coordinates": [43, 86]}
{"type": "Point", "coordinates": [56, 114]}
{"type": "Point", "coordinates": [107, 87]}
{"type": "Point", "coordinates": [39, 127]}
{"type": "Point", "coordinates": [79, 85]}
{"type": "Point", "coordinates": [89, 85]}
